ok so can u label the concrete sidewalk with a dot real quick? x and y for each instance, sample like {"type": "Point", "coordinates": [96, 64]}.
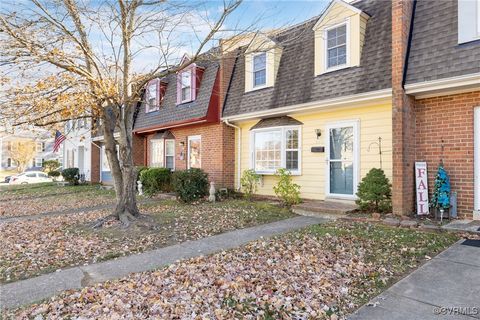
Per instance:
{"type": "Point", "coordinates": [31, 290]}
{"type": "Point", "coordinates": [447, 287]}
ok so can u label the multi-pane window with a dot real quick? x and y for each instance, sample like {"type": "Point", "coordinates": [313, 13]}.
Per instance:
{"type": "Point", "coordinates": [276, 148]}
{"type": "Point", "coordinates": [337, 46]}
{"type": "Point", "coordinates": [162, 153]}
{"type": "Point", "coordinates": [152, 97]}
{"type": "Point", "coordinates": [157, 153]}
{"type": "Point", "coordinates": [260, 69]}
{"type": "Point", "coordinates": [186, 82]}
{"type": "Point", "coordinates": [170, 154]}
{"type": "Point", "coordinates": [40, 147]}
{"type": "Point", "coordinates": [38, 162]}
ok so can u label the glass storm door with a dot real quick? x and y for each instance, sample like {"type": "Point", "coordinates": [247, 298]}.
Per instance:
{"type": "Point", "coordinates": [341, 160]}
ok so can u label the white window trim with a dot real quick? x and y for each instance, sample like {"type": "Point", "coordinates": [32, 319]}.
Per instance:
{"type": "Point", "coordinates": [356, 161]}
{"type": "Point", "coordinates": [36, 162]}
{"type": "Point", "coordinates": [190, 138]}
{"type": "Point", "coordinates": [165, 153]}
{"type": "Point", "coordinates": [254, 87]}
{"type": "Point", "coordinates": [476, 157]}
{"type": "Point", "coordinates": [182, 87]}
{"type": "Point", "coordinates": [325, 41]}
{"type": "Point", "coordinates": [283, 129]}
{"type": "Point", "coordinates": [478, 19]}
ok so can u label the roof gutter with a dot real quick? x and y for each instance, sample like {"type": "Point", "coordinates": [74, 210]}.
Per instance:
{"type": "Point", "coordinates": [450, 85]}
{"type": "Point", "coordinates": [345, 101]}
{"type": "Point", "coordinates": [239, 152]}
{"type": "Point", "coordinates": [172, 125]}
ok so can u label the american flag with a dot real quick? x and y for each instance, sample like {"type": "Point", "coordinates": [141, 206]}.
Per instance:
{"type": "Point", "coordinates": [59, 138]}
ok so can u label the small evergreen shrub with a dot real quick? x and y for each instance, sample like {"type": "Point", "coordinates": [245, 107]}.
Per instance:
{"type": "Point", "coordinates": [71, 175]}
{"type": "Point", "coordinates": [190, 185]}
{"type": "Point", "coordinates": [249, 182]}
{"type": "Point", "coordinates": [375, 192]}
{"type": "Point", "coordinates": [155, 180]}
{"type": "Point", "coordinates": [285, 189]}
{"type": "Point", "coordinates": [139, 171]}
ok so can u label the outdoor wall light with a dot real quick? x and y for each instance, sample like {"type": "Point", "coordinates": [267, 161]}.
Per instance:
{"type": "Point", "coordinates": [318, 132]}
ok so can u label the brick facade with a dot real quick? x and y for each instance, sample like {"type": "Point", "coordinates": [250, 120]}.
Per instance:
{"type": "Point", "coordinates": [217, 150]}
{"type": "Point", "coordinates": [403, 114]}
{"type": "Point", "coordinates": [448, 120]}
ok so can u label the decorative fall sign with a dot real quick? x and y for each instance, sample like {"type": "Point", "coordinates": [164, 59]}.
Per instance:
{"type": "Point", "coordinates": [421, 188]}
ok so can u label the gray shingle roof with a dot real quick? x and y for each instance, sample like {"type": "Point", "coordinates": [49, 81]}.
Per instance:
{"type": "Point", "coordinates": [435, 52]}
{"type": "Point", "coordinates": [171, 112]}
{"type": "Point", "coordinates": [276, 122]}
{"type": "Point", "coordinates": [295, 82]}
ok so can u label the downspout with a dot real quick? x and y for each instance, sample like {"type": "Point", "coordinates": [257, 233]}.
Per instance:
{"type": "Point", "coordinates": [239, 152]}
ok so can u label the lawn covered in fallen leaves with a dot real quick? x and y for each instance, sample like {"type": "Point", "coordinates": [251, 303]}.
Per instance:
{"type": "Point", "coordinates": [37, 199]}
{"type": "Point", "coordinates": [322, 272]}
{"type": "Point", "coordinates": [32, 247]}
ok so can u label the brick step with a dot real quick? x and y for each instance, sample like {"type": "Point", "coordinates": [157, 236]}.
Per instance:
{"type": "Point", "coordinates": [326, 209]}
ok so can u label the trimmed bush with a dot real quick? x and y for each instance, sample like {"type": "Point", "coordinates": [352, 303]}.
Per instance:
{"type": "Point", "coordinates": [375, 192]}
{"type": "Point", "coordinates": [71, 175]}
{"type": "Point", "coordinates": [54, 174]}
{"type": "Point", "coordinates": [285, 189]}
{"type": "Point", "coordinates": [139, 171]}
{"type": "Point", "coordinates": [155, 180]}
{"type": "Point", "coordinates": [249, 182]}
{"type": "Point", "coordinates": [190, 185]}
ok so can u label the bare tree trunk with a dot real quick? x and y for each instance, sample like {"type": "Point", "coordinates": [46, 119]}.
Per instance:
{"type": "Point", "coordinates": [123, 171]}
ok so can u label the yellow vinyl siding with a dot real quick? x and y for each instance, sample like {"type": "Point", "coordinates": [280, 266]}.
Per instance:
{"type": "Point", "coordinates": [374, 121]}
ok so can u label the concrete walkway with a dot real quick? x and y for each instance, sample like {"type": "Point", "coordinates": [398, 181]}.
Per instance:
{"type": "Point", "coordinates": [31, 290]}
{"type": "Point", "coordinates": [447, 287]}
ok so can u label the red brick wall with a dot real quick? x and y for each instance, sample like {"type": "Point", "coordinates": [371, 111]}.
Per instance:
{"type": "Point", "coordinates": [217, 150]}
{"type": "Point", "coordinates": [138, 149]}
{"type": "Point", "coordinates": [95, 164]}
{"type": "Point", "coordinates": [403, 112]}
{"type": "Point", "coordinates": [449, 118]}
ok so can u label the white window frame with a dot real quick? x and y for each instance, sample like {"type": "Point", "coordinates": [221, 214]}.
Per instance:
{"type": "Point", "coordinates": [184, 87]}
{"type": "Point", "coordinates": [255, 87]}
{"type": "Point", "coordinates": [37, 162]}
{"type": "Point", "coordinates": [190, 138]}
{"type": "Point", "coordinates": [356, 161]}
{"type": "Point", "coordinates": [172, 155]}
{"type": "Point", "coordinates": [283, 150]}
{"type": "Point", "coordinates": [347, 44]}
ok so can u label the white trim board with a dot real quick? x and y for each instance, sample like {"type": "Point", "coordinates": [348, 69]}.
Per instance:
{"type": "Point", "coordinates": [360, 100]}
{"type": "Point", "coordinates": [452, 85]}
{"type": "Point", "coordinates": [476, 157]}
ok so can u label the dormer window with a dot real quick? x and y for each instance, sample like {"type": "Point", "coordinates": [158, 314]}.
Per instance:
{"type": "Point", "coordinates": [152, 95]}
{"type": "Point", "coordinates": [339, 37]}
{"type": "Point", "coordinates": [186, 82]}
{"type": "Point", "coordinates": [260, 69]}
{"type": "Point", "coordinates": [468, 20]}
{"type": "Point", "coordinates": [336, 46]}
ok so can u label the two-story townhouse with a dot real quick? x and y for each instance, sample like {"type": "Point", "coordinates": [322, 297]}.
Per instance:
{"type": "Point", "coordinates": [316, 99]}
{"type": "Point", "coordinates": [78, 147]}
{"type": "Point", "coordinates": [38, 139]}
{"type": "Point", "coordinates": [439, 98]}
{"type": "Point", "coordinates": [179, 125]}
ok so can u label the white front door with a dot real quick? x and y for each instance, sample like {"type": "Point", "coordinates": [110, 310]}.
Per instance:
{"type": "Point", "coordinates": [342, 160]}
{"type": "Point", "coordinates": [476, 156]}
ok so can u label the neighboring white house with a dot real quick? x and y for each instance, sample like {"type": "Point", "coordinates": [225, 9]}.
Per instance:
{"type": "Point", "coordinates": [43, 139]}
{"type": "Point", "coordinates": [77, 146]}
